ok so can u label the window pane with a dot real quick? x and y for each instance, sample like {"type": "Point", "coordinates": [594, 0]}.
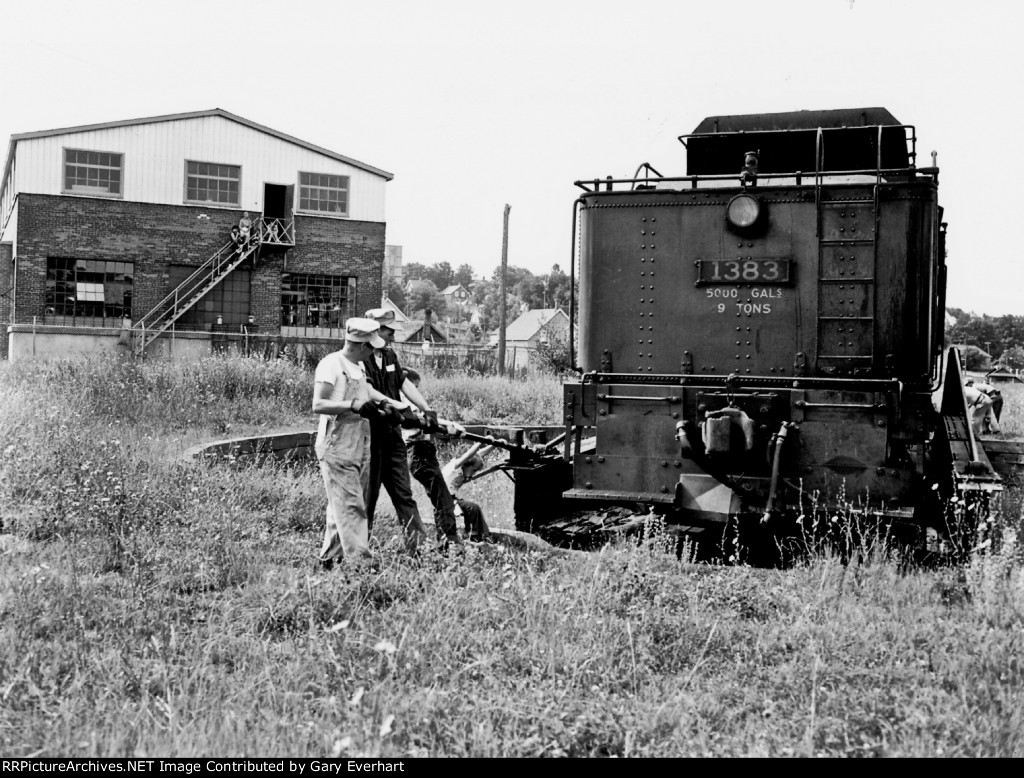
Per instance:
{"type": "Point", "coordinates": [316, 302]}
{"type": "Point", "coordinates": [212, 182]}
{"type": "Point", "coordinates": [323, 192]}
{"type": "Point", "coordinates": [88, 292]}
{"type": "Point", "coordinates": [229, 299]}
{"type": "Point", "coordinates": [92, 172]}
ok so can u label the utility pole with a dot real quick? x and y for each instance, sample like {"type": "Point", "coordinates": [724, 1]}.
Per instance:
{"type": "Point", "coordinates": [501, 295]}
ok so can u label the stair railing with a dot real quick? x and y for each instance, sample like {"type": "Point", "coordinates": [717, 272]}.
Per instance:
{"type": "Point", "coordinates": [190, 291]}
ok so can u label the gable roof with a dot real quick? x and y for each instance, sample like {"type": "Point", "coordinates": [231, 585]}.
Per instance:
{"type": "Point", "coordinates": [390, 304]}
{"type": "Point", "coordinates": [176, 117]}
{"type": "Point", "coordinates": [453, 289]}
{"type": "Point", "coordinates": [414, 332]}
{"type": "Point", "coordinates": [531, 322]}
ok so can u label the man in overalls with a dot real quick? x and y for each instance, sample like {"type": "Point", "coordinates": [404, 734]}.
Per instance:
{"type": "Point", "coordinates": [389, 464]}
{"type": "Point", "coordinates": [345, 402]}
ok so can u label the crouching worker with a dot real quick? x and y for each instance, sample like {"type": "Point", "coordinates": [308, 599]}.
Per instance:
{"type": "Point", "coordinates": [980, 405]}
{"type": "Point", "coordinates": [456, 473]}
{"type": "Point", "coordinates": [346, 402]}
{"type": "Point", "coordinates": [426, 469]}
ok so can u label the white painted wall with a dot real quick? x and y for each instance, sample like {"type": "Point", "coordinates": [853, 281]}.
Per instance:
{"type": "Point", "coordinates": [155, 154]}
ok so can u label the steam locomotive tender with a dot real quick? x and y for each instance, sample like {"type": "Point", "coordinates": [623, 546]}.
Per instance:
{"type": "Point", "coordinates": [764, 333]}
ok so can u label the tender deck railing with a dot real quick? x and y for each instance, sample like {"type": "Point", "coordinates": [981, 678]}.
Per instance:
{"type": "Point", "coordinates": [652, 180]}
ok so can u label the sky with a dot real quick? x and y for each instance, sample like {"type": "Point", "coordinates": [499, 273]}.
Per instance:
{"type": "Point", "coordinates": [475, 105]}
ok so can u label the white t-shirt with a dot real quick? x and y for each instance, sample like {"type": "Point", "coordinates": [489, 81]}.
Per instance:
{"type": "Point", "coordinates": [453, 477]}
{"type": "Point", "coordinates": [336, 370]}
{"type": "Point", "coordinates": [975, 397]}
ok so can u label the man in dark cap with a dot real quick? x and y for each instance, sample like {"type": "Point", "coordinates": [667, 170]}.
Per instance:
{"type": "Point", "coordinates": [389, 463]}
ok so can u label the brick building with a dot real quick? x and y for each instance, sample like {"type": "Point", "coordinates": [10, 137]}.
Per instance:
{"type": "Point", "coordinates": [118, 236]}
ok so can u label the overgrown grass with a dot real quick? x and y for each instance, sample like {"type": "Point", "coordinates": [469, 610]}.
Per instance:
{"type": "Point", "coordinates": [155, 607]}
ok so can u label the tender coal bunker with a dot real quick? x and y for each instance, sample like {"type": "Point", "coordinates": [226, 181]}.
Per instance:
{"type": "Point", "coordinates": [787, 142]}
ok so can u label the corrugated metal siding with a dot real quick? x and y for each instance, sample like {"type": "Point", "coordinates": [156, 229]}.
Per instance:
{"type": "Point", "coordinates": [155, 154]}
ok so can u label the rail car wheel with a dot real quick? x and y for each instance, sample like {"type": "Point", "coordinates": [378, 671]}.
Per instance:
{"type": "Point", "coordinates": [952, 525]}
{"type": "Point", "coordinates": [773, 542]}
{"type": "Point", "coordinates": [967, 520]}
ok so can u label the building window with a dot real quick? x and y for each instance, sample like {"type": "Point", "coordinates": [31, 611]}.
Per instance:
{"type": "Point", "coordinates": [208, 182]}
{"type": "Point", "coordinates": [316, 305]}
{"type": "Point", "coordinates": [229, 300]}
{"type": "Point", "coordinates": [323, 193]}
{"type": "Point", "coordinates": [93, 172]}
{"type": "Point", "coordinates": [88, 292]}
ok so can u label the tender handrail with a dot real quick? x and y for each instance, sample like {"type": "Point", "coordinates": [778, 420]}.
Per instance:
{"type": "Point", "coordinates": [910, 135]}
{"type": "Point", "coordinates": [586, 183]}
{"type": "Point", "coordinates": [846, 127]}
{"type": "Point", "coordinates": [646, 167]}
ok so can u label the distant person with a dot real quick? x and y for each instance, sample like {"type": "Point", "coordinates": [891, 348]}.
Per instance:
{"type": "Point", "coordinates": [272, 231]}
{"type": "Point", "coordinates": [236, 239]}
{"type": "Point", "coordinates": [345, 402]}
{"type": "Point", "coordinates": [426, 469]}
{"type": "Point", "coordinates": [994, 394]}
{"type": "Point", "coordinates": [244, 229]}
{"type": "Point", "coordinates": [458, 472]}
{"type": "Point", "coordinates": [979, 405]}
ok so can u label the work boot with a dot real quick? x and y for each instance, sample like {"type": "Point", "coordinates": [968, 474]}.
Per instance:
{"type": "Point", "coordinates": [448, 543]}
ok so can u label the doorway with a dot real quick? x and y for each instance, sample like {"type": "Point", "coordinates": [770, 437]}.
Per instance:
{"type": "Point", "coordinates": [277, 201]}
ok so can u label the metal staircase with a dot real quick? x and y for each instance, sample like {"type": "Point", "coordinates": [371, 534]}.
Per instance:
{"type": "Point", "coordinates": [188, 293]}
{"type": "Point", "coordinates": [265, 232]}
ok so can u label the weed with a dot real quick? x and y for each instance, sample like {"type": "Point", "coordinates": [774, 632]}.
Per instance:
{"type": "Point", "coordinates": [150, 605]}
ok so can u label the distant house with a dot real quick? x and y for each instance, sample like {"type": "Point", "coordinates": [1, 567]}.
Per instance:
{"type": "Point", "coordinates": [461, 332]}
{"type": "Point", "coordinates": [534, 328]}
{"type": "Point", "coordinates": [456, 294]}
{"type": "Point", "coordinates": [414, 329]}
{"type": "Point", "coordinates": [458, 302]}
{"type": "Point", "coordinates": [1003, 375]}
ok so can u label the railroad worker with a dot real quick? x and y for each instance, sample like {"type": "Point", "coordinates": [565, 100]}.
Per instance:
{"type": "Point", "coordinates": [979, 405]}
{"type": "Point", "coordinates": [458, 472]}
{"type": "Point", "coordinates": [344, 400]}
{"type": "Point", "coordinates": [994, 394]}
{"type": "Point", "coordinates": [389, 465]}
{"type": "Point", "coordinates": [426, 469]}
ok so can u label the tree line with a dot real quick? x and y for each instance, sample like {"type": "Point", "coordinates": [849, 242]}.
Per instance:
{"type": "Point", "coordinates": [990, 340]}
{"type": "Point", "coordinates": [524, 291]}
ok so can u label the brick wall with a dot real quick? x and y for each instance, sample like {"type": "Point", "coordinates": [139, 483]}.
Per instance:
{"type": "Point", "coordinates": [154, 236]}
{"type": "Point", "coordinates": [6, 282]}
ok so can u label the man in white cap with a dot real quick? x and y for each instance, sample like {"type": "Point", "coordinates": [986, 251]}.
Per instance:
{"type": "Point", "coordinates": [345, 402]}
{"type": "Point", "coordinates": [389, 464]}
